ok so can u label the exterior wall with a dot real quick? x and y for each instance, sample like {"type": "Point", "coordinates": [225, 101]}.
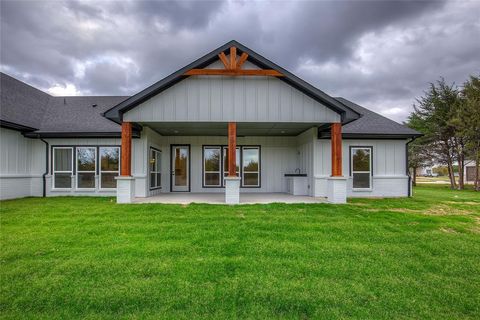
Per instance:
{"type": "Point", "coordinates": [77, 142]}
{"type": "Point", "coordinates": [20, 168]}
{"type": "Point", "coordinates": [22, 163]}
{"type": "Point", "coordinates": [305, 154]}
{"type": "Point", "coordinates": [389, 168]}
{"type": "Point", "coordinates": [241, 99]}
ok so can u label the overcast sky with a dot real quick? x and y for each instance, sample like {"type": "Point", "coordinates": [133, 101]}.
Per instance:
{"type": "Point", "coordinates": [381, 55]}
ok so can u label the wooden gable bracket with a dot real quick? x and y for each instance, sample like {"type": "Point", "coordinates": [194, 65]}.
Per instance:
{"type": "Point", "coordinates": [233, 67]}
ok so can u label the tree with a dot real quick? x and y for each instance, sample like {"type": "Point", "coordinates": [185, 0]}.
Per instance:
{"type": "Point", "coordinates": [467, 123]}
{"type": "Point", "coordinates": [418, 154]}
{"type": "Point", "coordinates": [432, 116]}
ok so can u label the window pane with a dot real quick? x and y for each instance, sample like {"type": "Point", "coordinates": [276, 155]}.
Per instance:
{"type": "Point", "coordinates": [108, 180]}
{"type": "Point", "coordinates": [152, 180]}
{"type": "Point", "coordinates": [109, 158]}
{"type": "Point", "coordinates": [361, 180]}
{"type": "Point", "coordinates": [158, 161]}
{"type": "Point", "coordinates": [159, 179]}
{"type": "Point", "coordinates": [225, 160]}
{"type": "Point", "coordinates": [62, 180]}
{"type": "Point", "coordinates": [62, 159]}
{"type": "Point", "coordinates": [250, 159]}
{"type": "Point", "coordinates": [181, 166]}
{"type": "Point", "coordinates": [250, 179]}
{"type": "Point", "coordinates": [86, 159]}
{"type": "Point", "coordinates": [152, 160]}
{"type": "Point", "coordinates": [361, 159]}
{"type": "Point", "coordinates": [212, 179]}
{"type": "Point", "coordinates": [212, 159]}
{"type": "Point", "coordinates": [86, 180]}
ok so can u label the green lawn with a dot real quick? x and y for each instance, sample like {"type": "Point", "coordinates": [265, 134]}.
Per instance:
{"type": "Point", "coordinates": [65, 258]}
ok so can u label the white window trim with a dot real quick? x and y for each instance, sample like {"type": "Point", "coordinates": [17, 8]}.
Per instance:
{"type": "Point", "coordinates": [77, 171]}
{"type": "Point", "coordinates": [158, 156]}
{"type": "Point", "coordinates": [257, 172]}
{"type": "Point", "coordinates": [54, 171]}
{"type": "Point", "coordinates": [100, 168]}
{"type": "Point", "coordinates": [219, 185]}
{"type": "Point", "coordinates": [370, 175]}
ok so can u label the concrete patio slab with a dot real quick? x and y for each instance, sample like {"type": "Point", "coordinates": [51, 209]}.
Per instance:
{"type": "Point", "coordinates": [219, 198]}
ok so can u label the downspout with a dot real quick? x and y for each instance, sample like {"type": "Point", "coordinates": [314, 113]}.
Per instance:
{"type": "Point", "coordinates": [44, 176]}
{"type": "Point", "coordinates": [408, 171]}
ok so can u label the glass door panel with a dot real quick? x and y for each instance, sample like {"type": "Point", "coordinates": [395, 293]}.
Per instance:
{"type": "Point", "coordinates": [180, 168]}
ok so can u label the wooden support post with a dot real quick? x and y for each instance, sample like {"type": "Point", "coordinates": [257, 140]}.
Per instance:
{"type": "Point", "coordinates": [232, 149]}
{"type": "Point", "coordinates": [243, 58]}
{"type": "Point", "coordinates": [126, 161]}
{"type": "Point", "coordinates": [336, 140]}
{"type": "Point", "coordinates": [224, 60]}
{"type": "Point", "coordinates": [233, 58]}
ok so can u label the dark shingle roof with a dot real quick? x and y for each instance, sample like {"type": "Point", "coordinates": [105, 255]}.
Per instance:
{"type": "Point", "coordinates": [24, 105]}
{"type": "Point", "coordinates": [77, 114]}
{"type": "Point", "coordinates": [21, 103]}
{"type": "Point", "coordinates": [372, 123]}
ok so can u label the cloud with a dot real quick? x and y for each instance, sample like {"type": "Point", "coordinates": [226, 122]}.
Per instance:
{"type": "Point", "coordinates": [379, 54]}
{"type": "Point", "coordinates": [392, 66]}
{"type": "Point", "coordinates": [66, 90]}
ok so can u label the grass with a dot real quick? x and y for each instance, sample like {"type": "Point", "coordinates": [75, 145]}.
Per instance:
{"type": "Point", "coordinates": [439, 179]}
{"type": "Point", "coordinates": [67, 258]}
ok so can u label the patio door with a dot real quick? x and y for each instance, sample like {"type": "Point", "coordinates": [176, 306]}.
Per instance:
{"type": "Point", "coordinates": [180, 168]}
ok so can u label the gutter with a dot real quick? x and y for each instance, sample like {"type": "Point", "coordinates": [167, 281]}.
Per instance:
{"type": "Point", "coordinates": [44, 175]}
{"type": "Point", "coordinates": [408, 171]}
{"type": "Point", "coordinates": [36, 135]}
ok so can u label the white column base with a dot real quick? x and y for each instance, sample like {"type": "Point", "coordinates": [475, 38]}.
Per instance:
{"type": "Point", "coordinates": [232, 190]}
{"type": "Point", "coordinates": [337, 189]}
{"type": "Point", "coordinates": [125, 189]}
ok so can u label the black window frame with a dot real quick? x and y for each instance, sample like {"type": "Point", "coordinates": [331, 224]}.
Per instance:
{"type": "Point", "coordinates": [220, 172]}
{"type": "Point", "coordinates": [150, 172]}
{"type": "Point", "coordinates": [222, 169]}
{"type": "Point", "coordinates": [242, 172]}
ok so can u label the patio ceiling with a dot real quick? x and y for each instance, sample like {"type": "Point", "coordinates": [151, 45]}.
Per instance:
{"type": "Point", "coordinates": [220, 128]}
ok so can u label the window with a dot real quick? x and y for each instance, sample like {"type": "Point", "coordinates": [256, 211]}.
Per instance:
{"type": "Point", "coordinates": [251, 166]}
{"type": "Point", "coordinates": [62, 167]}
{"type": "Point", "coordinates": [109, 166]}
{"type": "Point", "coordinates": [86, 167]}
{"type": "Point", "coordinates": [155, 169]}
{"type": "Point", "coordinates": [215, 166]}
{"type": "Point", "coordinates": [225, 161]}
{"type": "Point", "coordinates": [211, 166]}
{"type": "Point", "coordinates": [361, 167]}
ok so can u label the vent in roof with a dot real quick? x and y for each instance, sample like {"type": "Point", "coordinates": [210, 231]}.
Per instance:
{"type": "Point", "coordinates": [94, 105]}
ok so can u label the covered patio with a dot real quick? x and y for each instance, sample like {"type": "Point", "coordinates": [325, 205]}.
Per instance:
{"type": "Point", "coordinates": [219, 198]}
{"type": "Point", "coordinates": [245, 124]}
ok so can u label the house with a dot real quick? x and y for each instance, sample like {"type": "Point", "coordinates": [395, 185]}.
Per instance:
{"type": "Point", "coordinates": [470, 171]}
{"type": "Point", "coordinates": [427, 171]}
{"type": "Point", "coordinates": [231, 122]}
